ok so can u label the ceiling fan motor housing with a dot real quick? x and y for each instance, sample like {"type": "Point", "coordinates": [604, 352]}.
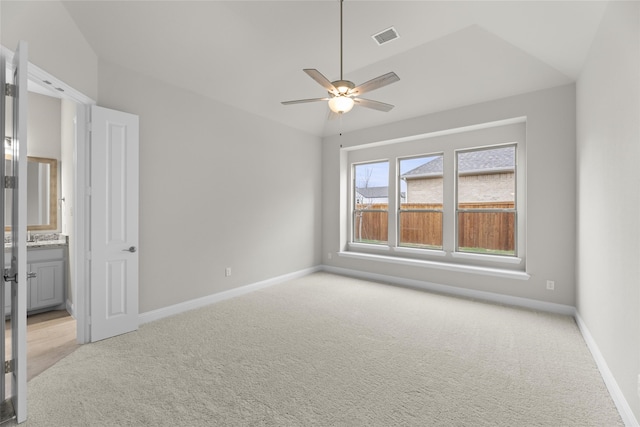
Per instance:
{"type": "Point", "coordinates": [343, 86]}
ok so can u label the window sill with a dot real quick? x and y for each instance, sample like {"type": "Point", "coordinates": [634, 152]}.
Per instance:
{"type": "Point", "coordinates": [461, 268]}
{"type": "Point", "coordinates": [412, 251]}
{"type": "Point", "coordinates": [488, 258]}
{"type": "Point", "coordinates": [367, 247]}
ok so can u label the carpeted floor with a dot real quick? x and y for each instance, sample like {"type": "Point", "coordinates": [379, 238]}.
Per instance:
{"type": "Point", "coordinates": [327, 350]}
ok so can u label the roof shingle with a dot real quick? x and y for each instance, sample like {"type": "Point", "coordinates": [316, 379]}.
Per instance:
{"type": "Point", "coordinates": [479, 161]}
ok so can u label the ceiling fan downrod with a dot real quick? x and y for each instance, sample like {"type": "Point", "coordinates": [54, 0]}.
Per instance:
{"type": "Point", "coordinates": [341, 40]}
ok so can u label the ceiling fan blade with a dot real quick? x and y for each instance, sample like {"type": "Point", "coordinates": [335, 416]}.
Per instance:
{"type": "Point", "coordinates": [373, 84]}
{"type": "Point", "coordinates": [376, 105]}
{"type": "Point", "coordinates": [324, 82]}
{"type": "Point", "coordinates": [302, 101]}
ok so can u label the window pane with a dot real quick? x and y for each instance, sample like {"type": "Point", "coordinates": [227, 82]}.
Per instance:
{"type": "Point", "coordinates": [421, 182]}
{"type": "Point", "coordinates": [421, 229]}
{"type": "Point", "coordinates": [486, 192]}
{"type": "Point", "coordinates": [371, 184]}
{"type": "Point", "coordinates": [420, 217]}
{"type": "Point", "coordinates": [487, 176]}
{"type": "Point", "coordinates": [371, 203]}
{"type": "Point", "coordinates": [370, 227]}
{"type": "Point", "coordinates": [487, 232]}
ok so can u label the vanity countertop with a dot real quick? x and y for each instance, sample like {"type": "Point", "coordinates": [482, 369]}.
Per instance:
{"type": "Point", "coordinates": [42, 244]}
{"type": "Point", "coordinates": [47, 244]}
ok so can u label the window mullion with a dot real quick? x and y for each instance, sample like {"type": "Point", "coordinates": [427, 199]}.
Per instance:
{"type": "Point", "coordinates": [393, 204]}
{"type": "Point", "coordinates": [449, 235]}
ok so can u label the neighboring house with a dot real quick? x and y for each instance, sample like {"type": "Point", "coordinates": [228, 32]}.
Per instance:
{"type": "Point", "coordinates": [373, 195]}
{"type": "Point", "coordinates": [484, 176]}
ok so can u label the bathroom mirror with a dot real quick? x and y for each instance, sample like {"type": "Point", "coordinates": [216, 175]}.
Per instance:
{"type": "Point", "coordinates": [42, 194]}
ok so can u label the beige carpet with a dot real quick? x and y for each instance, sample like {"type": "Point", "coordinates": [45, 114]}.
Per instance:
{"type": "Point", "coordinates": [332, 351]}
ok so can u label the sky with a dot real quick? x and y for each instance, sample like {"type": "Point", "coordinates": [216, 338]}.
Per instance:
{"type": "Point", "coordinates": [380, 172]}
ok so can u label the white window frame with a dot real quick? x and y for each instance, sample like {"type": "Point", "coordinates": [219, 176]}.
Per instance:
{"type": "Point", "coordinates": [509, 132]}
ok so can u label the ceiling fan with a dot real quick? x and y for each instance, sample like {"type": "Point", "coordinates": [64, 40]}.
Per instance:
{"type": "Point", "coordinates": [344, 94]}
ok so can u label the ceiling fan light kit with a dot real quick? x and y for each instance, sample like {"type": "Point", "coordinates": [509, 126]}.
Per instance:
{"type": "Point", "coordinates": [341, 104]}
{"type": "Point", "coordinates": [343, 93]}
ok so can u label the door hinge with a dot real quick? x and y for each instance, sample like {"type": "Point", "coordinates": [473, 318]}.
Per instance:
{"type": "Point", "coordinates": [8, 277]}
{"type": "Point", "coordinates": [8, 366]}
{"type": "Point", "coordinates": [10, 90]}
{"type": "Point", "coordinates": [10, 182]}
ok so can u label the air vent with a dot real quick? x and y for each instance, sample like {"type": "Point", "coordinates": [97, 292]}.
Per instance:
{"type": "Point", "coordinates": [385, 36]}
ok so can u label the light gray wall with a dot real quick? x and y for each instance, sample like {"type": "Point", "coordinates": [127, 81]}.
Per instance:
{"type": "Point", "coordinates": [219, 188]}
{"type": "Point", "coordinates": [55, 43]}
{"type": "Point", "coordinates": [550, 193]}
{"type": "Point", "coordinates": [608, 157]}
{"type": "Point", "coordinates": [43, 126]}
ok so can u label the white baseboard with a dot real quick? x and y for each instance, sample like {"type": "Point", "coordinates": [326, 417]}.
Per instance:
{"type": "Point", "coordinates": [70, 309]}
{"type": "Point", "coordinates": [172, 310]}
{"type": "Point", "coordinates": [614, 390]}
{"type": "Point", "coordinates": [452, 290]}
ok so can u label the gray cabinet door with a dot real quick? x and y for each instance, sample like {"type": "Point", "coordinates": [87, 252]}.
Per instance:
{"type": "Point", "coordinates": [46, 289]}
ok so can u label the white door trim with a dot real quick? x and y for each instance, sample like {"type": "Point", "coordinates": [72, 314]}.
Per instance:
{"type": "Point", "coordinates": [82, 213]}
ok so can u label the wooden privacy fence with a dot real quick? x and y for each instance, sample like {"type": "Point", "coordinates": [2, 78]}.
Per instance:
{"type": "Point", "coordinates": [493, 231]}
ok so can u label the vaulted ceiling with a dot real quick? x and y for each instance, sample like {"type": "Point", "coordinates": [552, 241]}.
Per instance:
{"type": "Point", "coordinates": [250, 54]}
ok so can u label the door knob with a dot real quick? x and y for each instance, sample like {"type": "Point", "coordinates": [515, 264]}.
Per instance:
{"type": "Point", "coordinates": [131, 249]}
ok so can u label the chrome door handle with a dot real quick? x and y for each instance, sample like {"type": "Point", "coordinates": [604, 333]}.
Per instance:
{"type": "Point", "coordinates": [32, 275]}
{"type": "Point", "coordinates": [131, 249]}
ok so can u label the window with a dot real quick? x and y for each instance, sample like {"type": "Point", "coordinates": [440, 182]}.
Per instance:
{"type": "Point", "coordinates": [420, 201]}
{"type": "Point", "coordinates": [371, 203]}
{"type": "Point", "coordinates": [454, 198]}
{"type": "Point", "coordinates": [486, 200]}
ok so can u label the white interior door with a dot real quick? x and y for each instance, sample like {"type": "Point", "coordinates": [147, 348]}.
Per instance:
{"type": "Point", "coordinates": [114, 223]}
{"type": "Point", "coordinates": [15, 146]}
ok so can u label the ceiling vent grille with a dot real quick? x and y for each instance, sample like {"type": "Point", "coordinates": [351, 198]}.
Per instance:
{"type": "Point", "coordinates": [385, 36]}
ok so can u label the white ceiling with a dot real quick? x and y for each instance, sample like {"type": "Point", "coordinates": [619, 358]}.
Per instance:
{"type": "Point", "coordinates": [250, 54]}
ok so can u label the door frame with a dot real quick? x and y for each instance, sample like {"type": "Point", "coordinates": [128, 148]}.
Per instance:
{"type": "Point", "coordinates": [82, 210]}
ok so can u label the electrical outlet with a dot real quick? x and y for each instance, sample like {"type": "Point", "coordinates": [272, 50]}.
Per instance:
{"type": "Point", "coordinates": [329, 255]}
{"type": "Point", "coordinates": [551, 285]}
{"type": "Point", "coordinates": [227, 271]}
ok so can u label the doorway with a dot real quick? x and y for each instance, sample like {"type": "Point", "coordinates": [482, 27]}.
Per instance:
{"type": "Point", "coordinates": [72, 202]}
{"type": "Point", "coordinates": [51, 325]}
{"type": "Point", "coordinates": [90, 183]}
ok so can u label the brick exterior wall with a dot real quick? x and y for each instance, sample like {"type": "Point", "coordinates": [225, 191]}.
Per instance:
{"type": "Point", "coordinates": [425, 190]}
{"type": "Point", "coordinates": [472, 188]}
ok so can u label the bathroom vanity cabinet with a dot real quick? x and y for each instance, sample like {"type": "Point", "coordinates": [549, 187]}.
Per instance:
{"type": "Point", "coordinates": [47, 289]}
